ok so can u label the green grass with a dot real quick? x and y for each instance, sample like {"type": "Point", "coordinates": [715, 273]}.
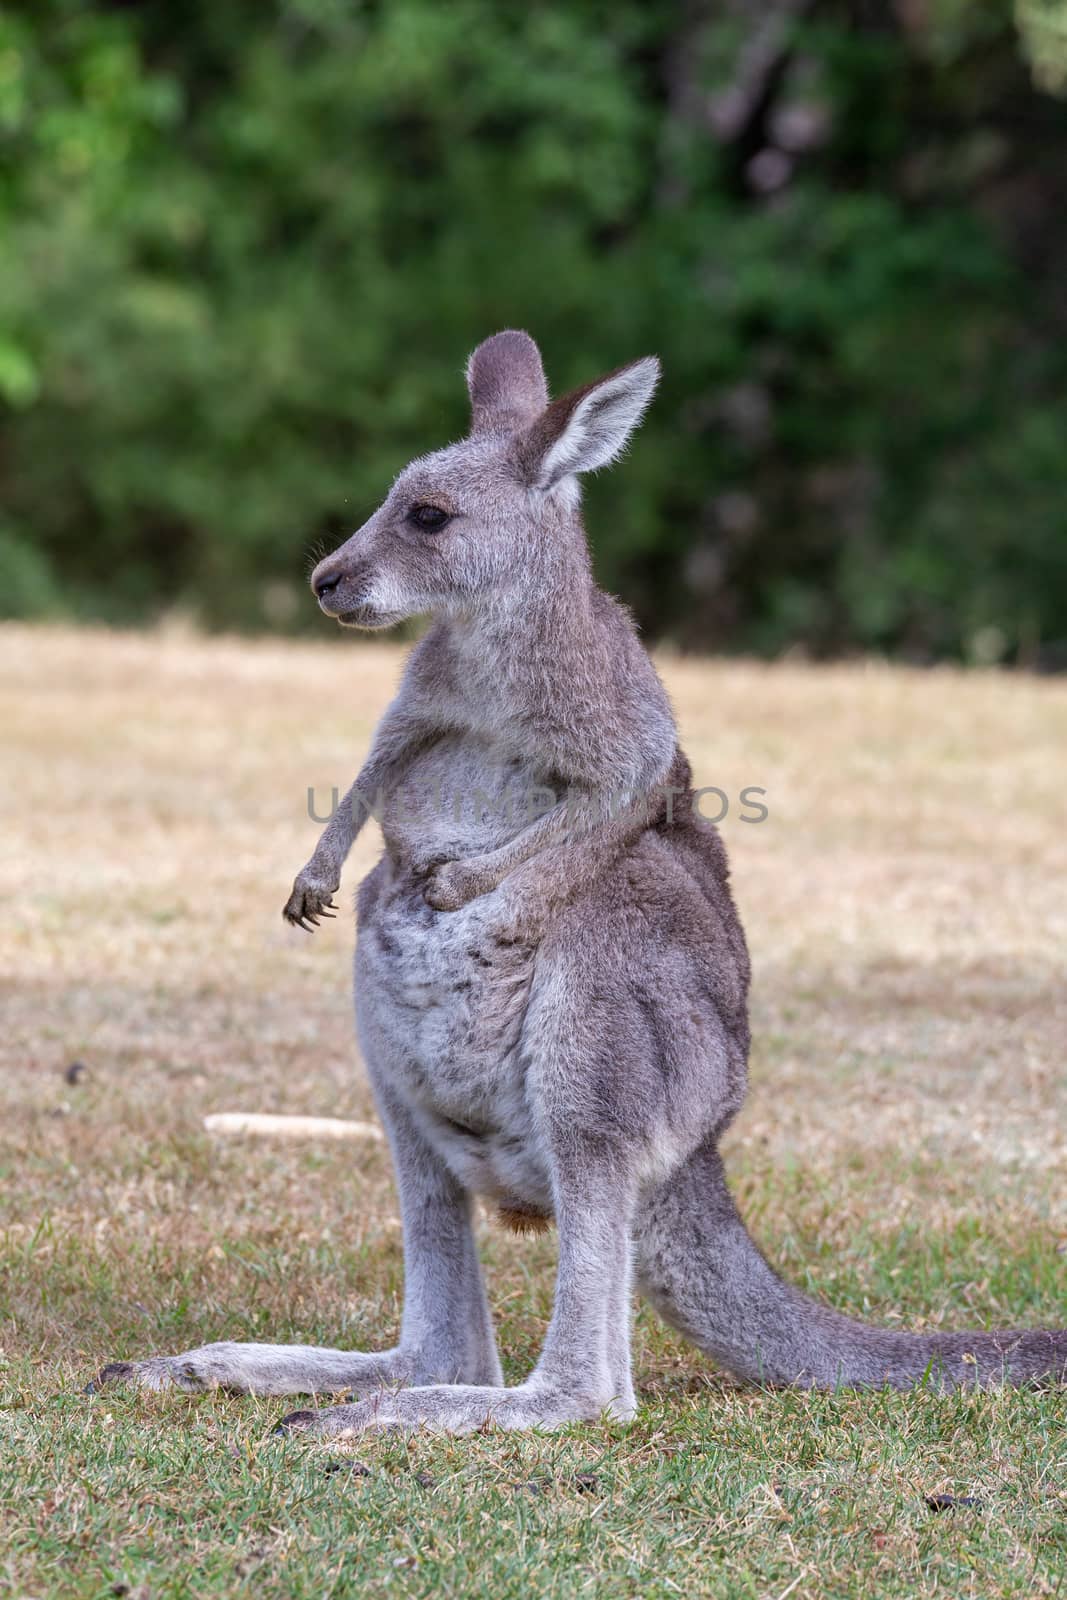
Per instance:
{"type": "Point", "coordinates": [901, 1155]}
{"type": "Point", "coordinates": [713, 1491]}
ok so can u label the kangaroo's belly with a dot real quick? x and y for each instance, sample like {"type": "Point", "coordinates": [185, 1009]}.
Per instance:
{"type": "Point", "coordinates": [441, 1002]}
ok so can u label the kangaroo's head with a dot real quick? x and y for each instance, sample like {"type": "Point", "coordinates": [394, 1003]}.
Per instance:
{"type": "Point", "coordinates": [476, 522]}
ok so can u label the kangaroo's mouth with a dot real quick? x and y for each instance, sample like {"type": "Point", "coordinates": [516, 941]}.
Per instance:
{"type": "Point", "coordinates": [350, 609]}
{"type": "Point", "coordinates": [365, 616]}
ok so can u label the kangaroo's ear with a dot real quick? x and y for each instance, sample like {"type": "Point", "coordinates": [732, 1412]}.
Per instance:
{"type": "Point", "coordinates": [589, 427]}
{"type": "Point", "coordinates": [506, 383]}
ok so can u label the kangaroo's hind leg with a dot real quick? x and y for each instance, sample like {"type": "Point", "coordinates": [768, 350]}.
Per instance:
{"type": "Point", "coordinates": [446, 1335]}
{"type": "Point", "coordinates": [579, 1375]}
{"type": "Point", "coordinates": [572, 1046]}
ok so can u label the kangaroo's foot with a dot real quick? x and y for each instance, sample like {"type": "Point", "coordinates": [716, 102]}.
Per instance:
{"type": "Point", "coordinates": [458, 1408]}
{"type": "Point", "coordinates": [265, 1369]}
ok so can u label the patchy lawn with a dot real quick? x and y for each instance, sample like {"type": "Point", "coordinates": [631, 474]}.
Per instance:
{"type": "Point", "coordinates": [902, 1152]}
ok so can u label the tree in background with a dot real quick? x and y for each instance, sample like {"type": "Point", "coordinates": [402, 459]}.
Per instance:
{"type": "Point", "coordinates": [245, 250]}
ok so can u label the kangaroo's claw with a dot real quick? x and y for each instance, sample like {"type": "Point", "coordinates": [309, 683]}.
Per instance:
{"type": "Point", "coordinates": [310, 900]}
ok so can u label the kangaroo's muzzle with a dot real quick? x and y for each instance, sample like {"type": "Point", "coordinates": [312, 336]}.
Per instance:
{"type": "Point", "coordinates": [342, 591]}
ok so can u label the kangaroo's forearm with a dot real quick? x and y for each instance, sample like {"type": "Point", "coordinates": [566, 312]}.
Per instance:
{"type": "Point", "coordinates": [584, 833]}
{"type": "Point", "coordinates": [594, 827]}
{"type": "Point", "coordinates": [340, 833]}
{"type": "Point", "coordinates": [560, 872]}
{"type": "Point", "coordinates": [560, 855]}
{"type": "Point", "coordinates": [399, 738]}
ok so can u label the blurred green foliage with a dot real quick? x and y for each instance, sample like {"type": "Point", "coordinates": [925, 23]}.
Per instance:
{"type": "Point", "coordinates": [246, 249]}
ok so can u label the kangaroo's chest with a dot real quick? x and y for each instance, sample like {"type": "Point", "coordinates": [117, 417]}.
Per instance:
{"type": "Point", "coordinates": [466, 794]}
{"type": "Point", "coordinates": [441, 1002]}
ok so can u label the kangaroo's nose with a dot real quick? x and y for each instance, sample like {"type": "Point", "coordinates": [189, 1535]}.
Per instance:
{"type": "Point", "coordinates": [324, 583]}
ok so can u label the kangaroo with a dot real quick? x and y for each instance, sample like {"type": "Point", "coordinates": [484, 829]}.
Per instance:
{"type": "Point", "coordinates": [551, 1000]}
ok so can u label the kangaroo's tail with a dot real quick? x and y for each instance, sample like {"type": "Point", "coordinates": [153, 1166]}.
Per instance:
{"type": "Point", "coordinates": [702, 1272]}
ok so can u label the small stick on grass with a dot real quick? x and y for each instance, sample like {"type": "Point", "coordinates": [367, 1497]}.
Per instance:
{"type": "Point", "coordinates": [261, 1124]}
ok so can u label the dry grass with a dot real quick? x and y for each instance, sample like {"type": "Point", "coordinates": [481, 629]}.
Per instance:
{"type": "Point", "coordinates": [903, 1147]}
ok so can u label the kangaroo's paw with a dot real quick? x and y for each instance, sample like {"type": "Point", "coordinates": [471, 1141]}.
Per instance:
{"type": "Point", "coordinates": [453, 1408]}
{"type": "Point", "coordinates": [312, 898]}
{"type": "Point", "coordinates": [454, 884]}
{"type": "Point", "coordinates": [259, 1369]}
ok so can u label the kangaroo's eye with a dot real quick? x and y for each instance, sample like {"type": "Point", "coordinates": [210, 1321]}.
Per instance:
{"type": "Point", "coordinates": [429, 518]}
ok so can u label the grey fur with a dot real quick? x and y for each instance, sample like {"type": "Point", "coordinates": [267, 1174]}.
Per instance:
{"type": "Point", "coordinates": [553, 1015]}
